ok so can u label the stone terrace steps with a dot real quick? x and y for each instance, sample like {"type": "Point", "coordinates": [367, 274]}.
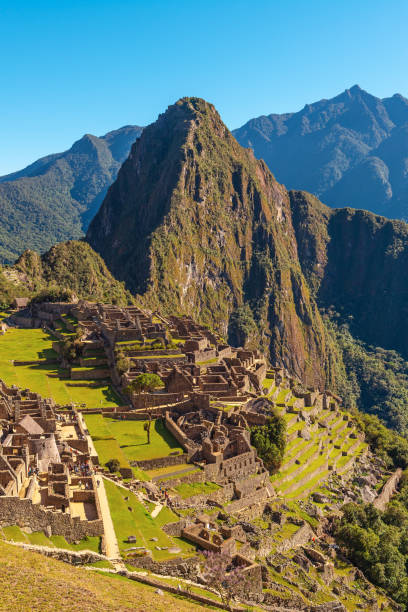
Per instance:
{"type": "Point", "coordinates": [317, 463]}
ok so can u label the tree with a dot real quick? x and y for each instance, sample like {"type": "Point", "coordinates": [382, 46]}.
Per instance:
{"type": "Point", "coordinates": [144, 382]}
{"type": "Point", "coordinates": [147, 426]}
{"type": "Point", "coordinates": [270, 441]}
{"type": "Point", "coordinates": [113, 465]}
{"type": "Point", "coordinates": [219, 572]}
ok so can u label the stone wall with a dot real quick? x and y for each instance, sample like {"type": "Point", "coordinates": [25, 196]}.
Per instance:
{"type": "Point", "coordinates": [150, 400]}
{"type": "Point", "coordinates": [302, 536]}
{"type": "Point", "coordinates": [256, 497]}
{"type": "Point", "coordinates": [91, 374]}
{"type": "Point", "coordinates": [187, 478]}
{"type": "Point", "coordinates": [388, 490]}
{"type": "Point", "coordinates": [181, 437]}
{"type": "Point", "coordinates": [152, 464]}
{"type": "Point", "coordinates": [171, 589]}
{"type": "Point", "coordinates": [180, 568]}
{"type": "Point", "coordinates": [97, 361]}
{"type": "Point", "coordinates": [204, 355]}
{"type": "Point", "coordinates": [221, 496]}
{"type": "Point", "coordinates": [24, 513]}
{"type": "Point", "coordinates": [80, 557]}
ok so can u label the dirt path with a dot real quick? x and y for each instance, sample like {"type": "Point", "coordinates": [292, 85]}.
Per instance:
{"type": "Point", "coordinates": [111, 542]}
{"type": "Point", "coordinates": [156, 510]}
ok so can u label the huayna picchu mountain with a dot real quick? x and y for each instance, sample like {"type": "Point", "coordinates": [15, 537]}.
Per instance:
{"type": "Point", "coordinates": [351, 150]}
{"type": "Point", "coordinates": [55, 198]}
{"type": "Point", "coordinates": [195, 224]}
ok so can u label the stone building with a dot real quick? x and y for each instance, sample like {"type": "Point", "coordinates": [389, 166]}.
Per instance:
{"type": "Point", "coordinates": [46, 480]}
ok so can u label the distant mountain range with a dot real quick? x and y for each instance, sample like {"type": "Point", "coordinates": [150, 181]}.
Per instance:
{"type": "Point", "coordinates": [351, 150]}
{"type": "Point", "coordinates": [56, 197]}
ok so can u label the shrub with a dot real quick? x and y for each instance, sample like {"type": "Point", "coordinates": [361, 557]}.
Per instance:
{"type": "Point", "coordinates": [270, 441]}
{"type": "Point", "coordinates": [113, 465]}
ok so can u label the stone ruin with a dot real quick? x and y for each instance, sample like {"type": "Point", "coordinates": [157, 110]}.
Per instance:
{"type": "Point", "coordinates": [46, 475]}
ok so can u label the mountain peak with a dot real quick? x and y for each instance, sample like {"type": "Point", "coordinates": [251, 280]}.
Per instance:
{"type": "Point", "coordinates": [195, 224]}
{"type": "Point", "coordinates": [333, 149]}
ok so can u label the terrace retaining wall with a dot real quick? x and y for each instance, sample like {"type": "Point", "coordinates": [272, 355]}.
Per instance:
{"type": "Point", "coordinates": [24, 513]}
{"type": "Point", "coordinates": [152, 464]}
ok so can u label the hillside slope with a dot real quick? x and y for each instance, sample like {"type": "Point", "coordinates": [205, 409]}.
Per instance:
{"type": "Point", "coordinates": [30, 581]}
{"type": "Point", "coordinates": [55, 198]}
{"type": "Point", "coordinates": [196, 225]}
{"type": "Point", "coordinates": [356, 262]}
{"type": "Point", "coordinates": [71, 265]}
{"type": "Point", "coordinates": [351, 150]}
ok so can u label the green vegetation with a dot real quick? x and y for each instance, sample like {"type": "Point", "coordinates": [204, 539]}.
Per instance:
{"type": "Point", "coordinates": [168, 469]}
{"type": "Point", "coordinates": [195, 488]}
{"type": "Point", "coordinates": [9, 290]}
{"type": "Point", "coordinates": [54, 199]}
{"type": "Point", "coordinates": [144, 383]}
{"type": "Point", "coordinates": [70, 267]}
{"type": "Point", "coordinates": [53, 294]}
{"type": "Point", "coordinates": [270, 441]}
{"type": "Point", "coordinates": [138, 522]}
{"type": "Point", "coordinates": [384, 442]}
{"type": "Point", "coordinates": [43, 378]}
{"type": "Point", "coordinates": [377, 542]}
{"type": "Point", "coordinates": [41, 583]}
{"type": "Point", "coordinates": [113, 465]}
{"type": "Point", "coordinates": [374, 379]}
{"type": "Point", "coordinates": [105, 444]}
{"type": "Point", "coordinates": [128, 437]}
{"type": "Point", "coordinates": [243, 330]}
{"type": "Point", "coordinates": [15, 534]}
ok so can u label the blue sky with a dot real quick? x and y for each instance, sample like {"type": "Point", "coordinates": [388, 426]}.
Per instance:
{"type": "Point", "coordinates": [77, 66]}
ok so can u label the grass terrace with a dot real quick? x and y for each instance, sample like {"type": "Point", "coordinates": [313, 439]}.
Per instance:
{"type": "Point", "coordinates": [40, 583]}
{"type": "Point", "coordinates": [195, 488]}
{"type": "Point", "coordinates": [139, 523]}
{"type": "Point", "coordinates": [129, 439]}
{"type": "Point", "coordinates": [15, 534]}
{"type": "Point", "coordinates": [44, 378]}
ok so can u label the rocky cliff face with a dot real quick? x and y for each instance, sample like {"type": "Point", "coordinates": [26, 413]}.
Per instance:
{"type": "Point", "coordinates": [356, 262]}
{"type": "Point", "coordinates": [351, 150]}
{"type": "Point", "coordinates": [195, 224]}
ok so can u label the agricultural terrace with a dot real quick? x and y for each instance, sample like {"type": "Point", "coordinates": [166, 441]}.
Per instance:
{"type": "Point", "coordinates": [44, 377]}
{"type": "Point", "coordinates": [331, 444]}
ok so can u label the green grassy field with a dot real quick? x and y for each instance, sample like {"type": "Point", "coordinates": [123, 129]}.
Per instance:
{"type": "Point", "coordinates": [105, 444]}
{"type": "Point", "coordinates": [139, 523]}
{"type": "Point", "coordinates": [186, 489]}
{"type": "Point", "coordinates": [130, 438]}
{"type": "Point", "coordinates": [35, 344]}
{"type": "Point", "coordinates": [29, 581]}
{"type": "Point", "coordinates": [15, 534]}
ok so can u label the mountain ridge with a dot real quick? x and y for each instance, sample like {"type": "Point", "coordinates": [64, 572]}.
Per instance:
{"type": "Point", "coordinates": [326, 149]}
{"type": "Point", "coordinates": [195, 224]}
{"type": "Point", "coordinates": [54, 198]}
